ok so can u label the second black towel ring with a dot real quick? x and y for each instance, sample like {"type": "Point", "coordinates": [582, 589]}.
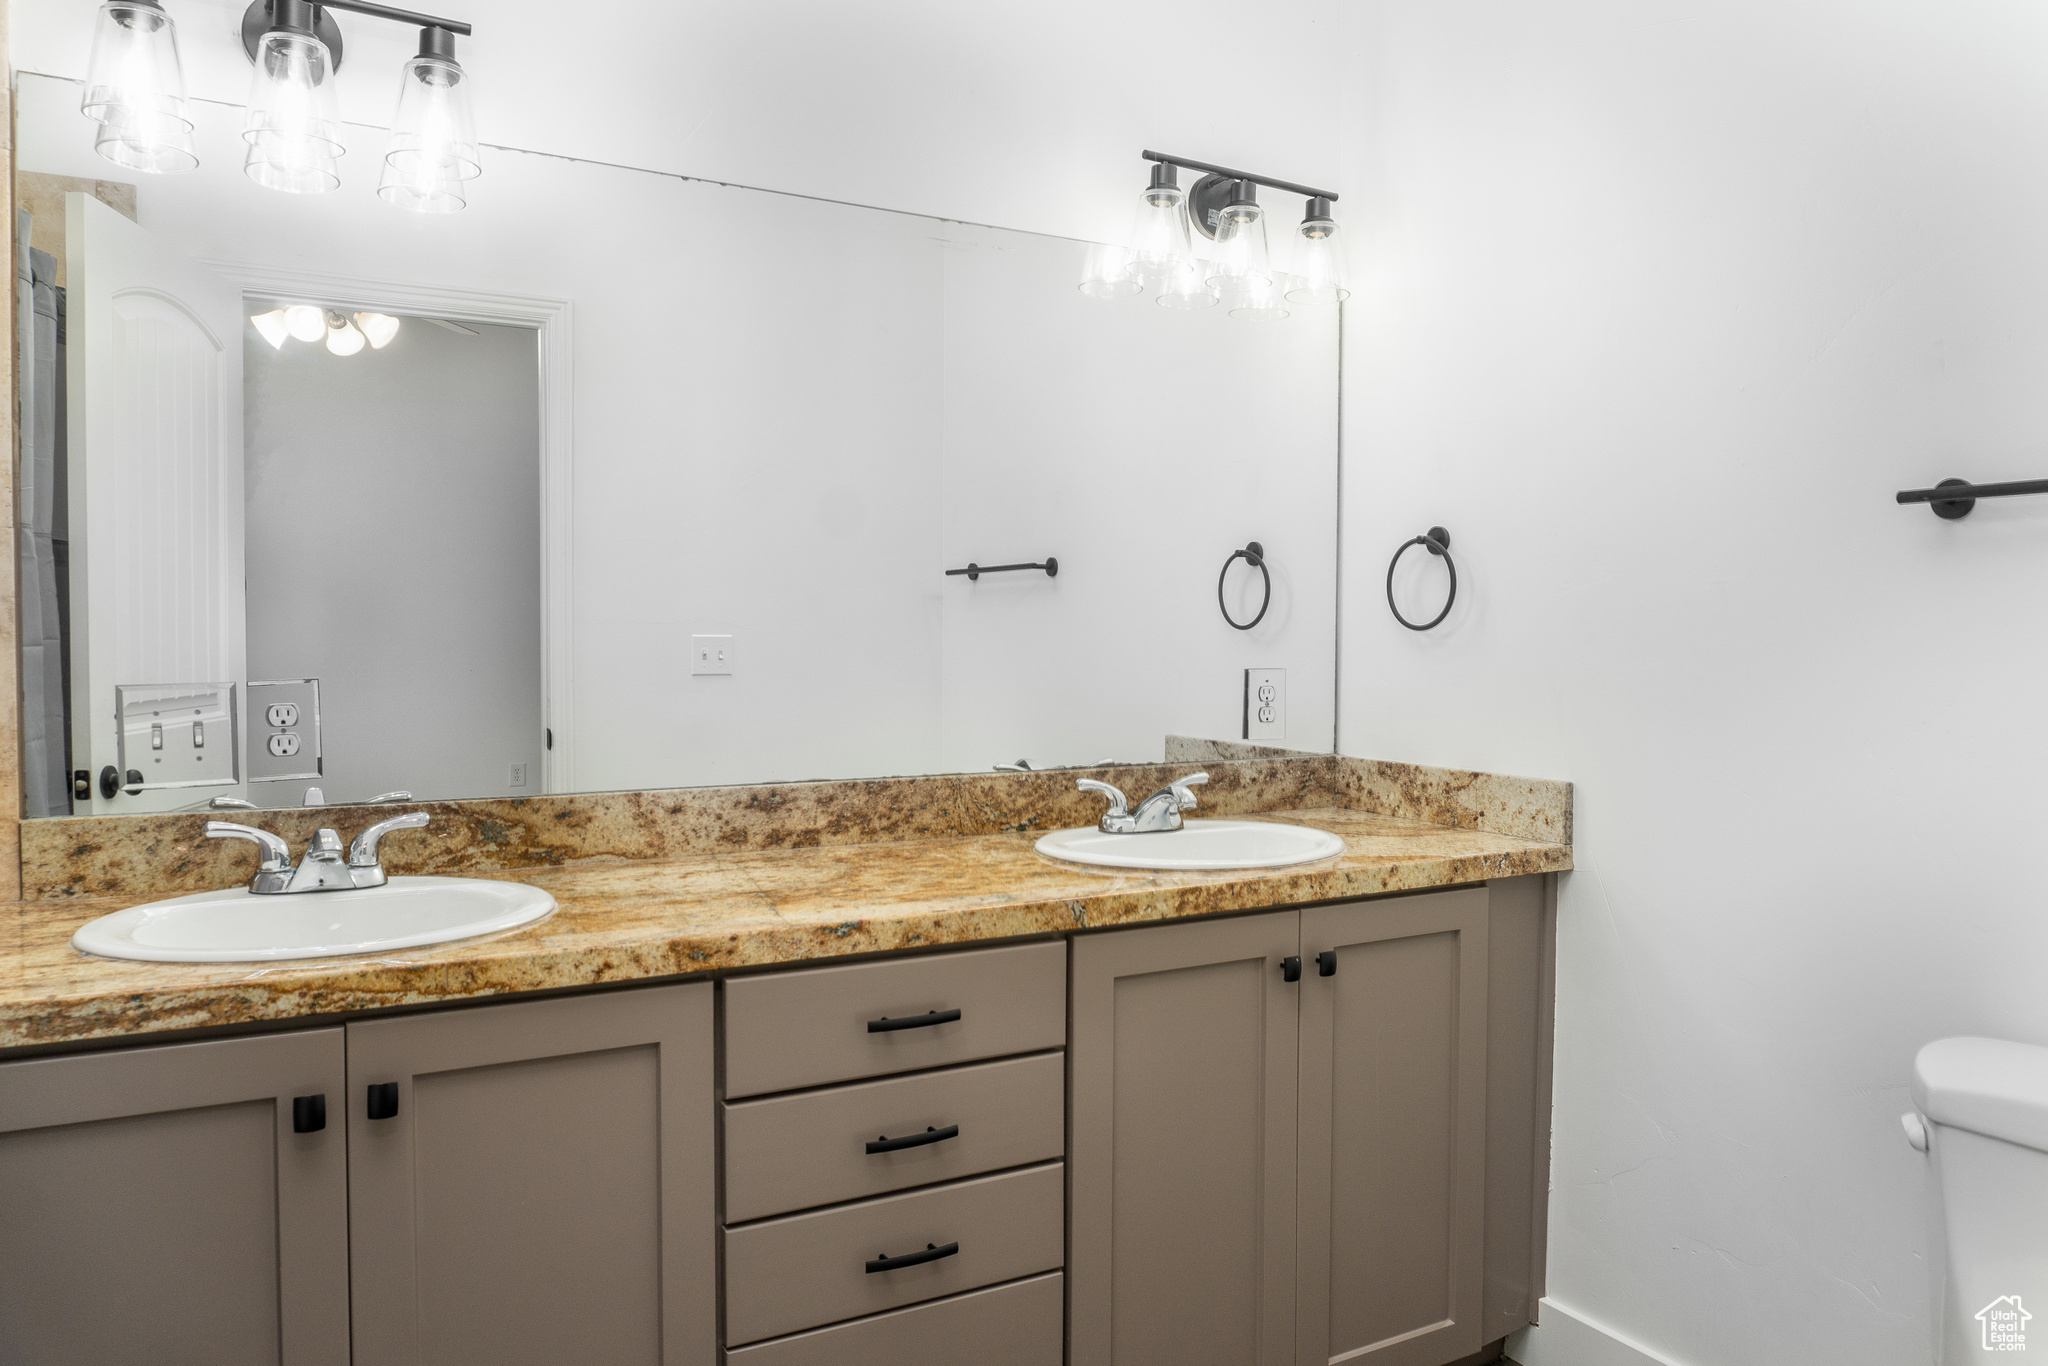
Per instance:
{"type": "Point", "coordinates": [1438, 542]}
{"type": "Point", "coordinates": [1254, 555]}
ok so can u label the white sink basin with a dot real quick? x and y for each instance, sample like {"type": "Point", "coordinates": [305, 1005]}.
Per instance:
{"type": "Point", "coordinates": [237, 926]}
{"type": "Point", "coordinates": [1196, 845]}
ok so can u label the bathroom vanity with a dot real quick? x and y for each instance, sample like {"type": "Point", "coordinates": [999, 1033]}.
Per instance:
{"type": "Point", "coordinates": [1039, 1114]}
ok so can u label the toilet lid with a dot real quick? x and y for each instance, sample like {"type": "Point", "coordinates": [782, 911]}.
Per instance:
{"type": "Point", "coordinates": [1988, 1086]}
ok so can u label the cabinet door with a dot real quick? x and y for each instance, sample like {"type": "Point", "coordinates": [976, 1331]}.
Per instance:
{"type": "Point", "coordinates": [1393, 1130]}
{"type": "Point", "coordinates": [1181, 1215]}
{"type": "Point", "coordinates": [156, 1206]}
{"type": "Point", "coordinates": [544, 1192]}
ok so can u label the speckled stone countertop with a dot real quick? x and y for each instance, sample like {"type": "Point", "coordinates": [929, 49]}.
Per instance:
{"type": "Point", "coordinates": [624, 921]}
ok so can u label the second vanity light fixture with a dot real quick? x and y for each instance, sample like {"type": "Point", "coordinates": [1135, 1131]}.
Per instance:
{"type": "Point", "coordinates": [344, 333]}
{"type": "Point", "coordinates": [1223, 208]}
{"type": "Point", "coordinates": [135, 91]}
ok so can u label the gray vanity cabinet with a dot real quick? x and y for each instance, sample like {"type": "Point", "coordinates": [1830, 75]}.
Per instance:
{"type": "Point", "coordinates": [1182, 1061]}
{"type": "Point", "coordinates": [1393, 1130]}
{"type": "Point", "coordinates": [537, 1184]}
{"type": "Point", "coordinates": [1345, 1167]}
{"type": "Point", "coordinates": [157, 1205]}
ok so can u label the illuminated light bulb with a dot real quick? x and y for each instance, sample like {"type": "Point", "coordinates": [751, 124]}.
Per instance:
{"type": "Point", "coordinates": [433, 152]}
{"type": "Point", "coordinates": [1319, 259]}
{"type": "Point", "coordinates": [305, 322]}
{"type": "Point", "coordinates": [1241, 240]}
{"type": "Point", "coordinates": [1257, 298]}
{"type": "Point", "coordinates": [1107, 274]}
{"type": "Point", "coordinates": [344, 340]}
{"type": "Point", "coordinates": [273, 327]}
{"type": "Point", "coordinates": [379, 328]}
{"type": "Point", "coordinates": [1159, 235]}
{"type": "Point", "coordinates": [293, 126]}
{"type": "Point", "coordinates": [1188, 288]}
{"type": "Point", "coordinates": [135, 90]}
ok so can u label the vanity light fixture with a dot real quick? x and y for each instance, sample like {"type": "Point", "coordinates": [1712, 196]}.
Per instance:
{"type": "Point", "coordinates": [1168, 261]}
{"type": "Point", "coordinates": [135, 90]}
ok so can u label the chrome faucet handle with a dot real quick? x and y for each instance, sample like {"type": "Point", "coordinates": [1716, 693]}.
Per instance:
{"type": "Point", "coordinates": [1179, 788]}
{"type": "Point", "coordinates": [277, 855]}
{"type": "Point", "coordinates": [231, 804]}
{"type": "Point", "coordinates": [389, 797]}
{"type": "Point", "coordinates": [365, 869]}
{"type": "Point", "coordinates": [1118, 804]}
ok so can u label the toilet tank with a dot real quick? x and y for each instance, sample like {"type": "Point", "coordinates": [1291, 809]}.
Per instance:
{"type": "Point", "coordinates": [1984, 1103]}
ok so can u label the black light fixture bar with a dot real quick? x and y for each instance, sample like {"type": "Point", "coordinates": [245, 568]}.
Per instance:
{"type": "Point", "coordinates": [402, 16]}
{"type": "Point", "coordinates": [1229, 174]}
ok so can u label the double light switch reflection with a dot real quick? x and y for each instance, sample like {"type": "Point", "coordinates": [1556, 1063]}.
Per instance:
{"type": "Point", "coordinates": [176, 734]}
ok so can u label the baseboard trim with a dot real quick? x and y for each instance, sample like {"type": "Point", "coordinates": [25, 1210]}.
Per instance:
{"type": "Point", "coordinates": [1566, 1337]}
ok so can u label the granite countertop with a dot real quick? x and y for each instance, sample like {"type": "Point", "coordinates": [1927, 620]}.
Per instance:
{"type": "Point", "coordinates": [627, 920]}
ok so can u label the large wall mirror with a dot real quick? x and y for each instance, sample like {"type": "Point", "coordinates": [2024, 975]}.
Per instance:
{"type": "Point", "coordinates": [621, 480]}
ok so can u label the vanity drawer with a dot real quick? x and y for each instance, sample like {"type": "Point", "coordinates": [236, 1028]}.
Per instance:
{"type": "Point", "coordinates": [793, 1152]}
{"type": "Point", "coordinates": [785, 1275]}
{"type": "Point", "coordinates": [789, 1029]}
{"type": "Point", "coordinates": [1019, 1324]}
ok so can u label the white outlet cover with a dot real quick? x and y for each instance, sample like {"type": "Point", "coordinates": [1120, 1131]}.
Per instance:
{"type": "Point", "coordinates": [1265, 704]}
{"type": "Point", "coordinates": [711, 654]}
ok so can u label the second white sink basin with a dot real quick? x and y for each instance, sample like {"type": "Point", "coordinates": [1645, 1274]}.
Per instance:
{"type": "Point", "coordinates": [237, 926]}
{"type": "Point", "coordinates": [1196, 846]}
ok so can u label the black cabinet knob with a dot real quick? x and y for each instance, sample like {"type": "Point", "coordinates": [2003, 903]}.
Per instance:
{"type": "Point", "coordinates": [309, 1113]}
{"type": "Point", "coordinates": [1326, 963]}
{"type": "Point", "coordinates": [1290, 968]}
{"type": "Point", "coordinates": [383, 1100]}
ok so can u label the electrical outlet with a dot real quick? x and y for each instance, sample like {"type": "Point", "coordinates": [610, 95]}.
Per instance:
{"type": "Point", "coordinates": [1265, 704]}
{"type": "Point", "coordinates": [515, 775]}
{"type": "Point", "coordinates": [711, 654]}
{"type": "Point", "coordinates": [282, 715]}
{"type": "Point", "coordinates": [284, 744]}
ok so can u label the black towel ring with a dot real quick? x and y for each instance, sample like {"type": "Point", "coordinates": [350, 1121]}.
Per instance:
{"type": "Point", "coordinates": [1254, 555]}
{"type": "Point", "coordinates": [1438, 542]}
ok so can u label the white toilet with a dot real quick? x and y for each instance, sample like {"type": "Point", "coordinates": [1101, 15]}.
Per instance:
{"type": "Point", "coordinates": [1982, 1118]}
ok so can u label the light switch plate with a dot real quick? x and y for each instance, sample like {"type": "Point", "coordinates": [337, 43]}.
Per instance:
{"type": "Point", "coordinates": [178, 734]}
{"type": "Point", "coordinates": [284, 730]}
{"type": "Point", "coordinates": [711, 654]}
{"type": "Point", "coordinates": [1265, 704]}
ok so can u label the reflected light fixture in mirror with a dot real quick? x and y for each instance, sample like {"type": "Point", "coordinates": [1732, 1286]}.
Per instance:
{"type": "Point", "coordinates": [1107, 273]}
{"type": "Point", "coordinates": [1188, 288]}
{"type": "Point", "coordinates": [1160, 247]}
{"type": "Point", "coordinates": [344, 334]}
{"type": "Point", "coordinates": [1319, 275]}
{"type": "Point", "coordinates": [379, 328]}
{"type": "Point", "coordinates": [433, 148]}
{"type": "Point", "coordinates": [342, 337]}
{"type": "Point", "coordinates": [135, 90]}
{"type": "Point", "coordinates": [293, 126]}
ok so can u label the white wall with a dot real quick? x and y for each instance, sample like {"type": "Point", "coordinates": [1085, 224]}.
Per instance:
{"type": "Point", "coordinates": [1665, 301]}
{"type": "Point", "coordinates": [1024, 116]}
{"type": "Point", "coordinates": [393, 499]}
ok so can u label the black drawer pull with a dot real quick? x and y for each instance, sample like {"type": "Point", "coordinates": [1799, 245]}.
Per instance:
{"type": "Point", "coordinates": [309, 1113]}
{"type": "Point", "coordinates": [932, 1252]}
{"type": "Point", "coordinates": [885, 1024]}
{"type": "Point", "coordinates": [1326, 963]}
{"type": "Point", "coordinates": [1290, 968]}
{"type": "Point", "coordinates": [383, 1103]}
{"type": "Point", "coordinates": [886, 1144]}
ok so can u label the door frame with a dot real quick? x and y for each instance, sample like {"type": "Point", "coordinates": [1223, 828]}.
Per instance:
{"type": "Point", "coordinates": [553, 319]}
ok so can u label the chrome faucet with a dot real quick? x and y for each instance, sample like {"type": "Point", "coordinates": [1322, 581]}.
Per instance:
{"type": "Point", "coordinates": [324, 867]}
{"type": "Point", "coordinates": [1158, 812]}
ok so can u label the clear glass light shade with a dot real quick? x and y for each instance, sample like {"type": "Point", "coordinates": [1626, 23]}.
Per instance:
{"type": "Point", "coordinates": [1318, 266]}
{"type": "Point", "coordinates": [1107, 274]}
{"type": "Point", "coordinates": [293, 127]}
{"type": "Point", "coordinates": [344, 340]}
{"type": "Point", "coordinates": [433, 148]}
{"type": "Point", "coordinates": [1258, 298]}
{"type": "Point", "coordinates": [1159, 236]}
{"type": "Point", "coordinates": [305, 322]}
{"type": "Point", "coordinates": [135, 90]}
{"type": "Point", "coordinates": [1187, 288]}
{"type": "Point", "coordinates": [1240, 256]}
{"type": "Point", "coordinates": [378, 328]}
{"type": "Point", "coordinates": [273, 327]}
